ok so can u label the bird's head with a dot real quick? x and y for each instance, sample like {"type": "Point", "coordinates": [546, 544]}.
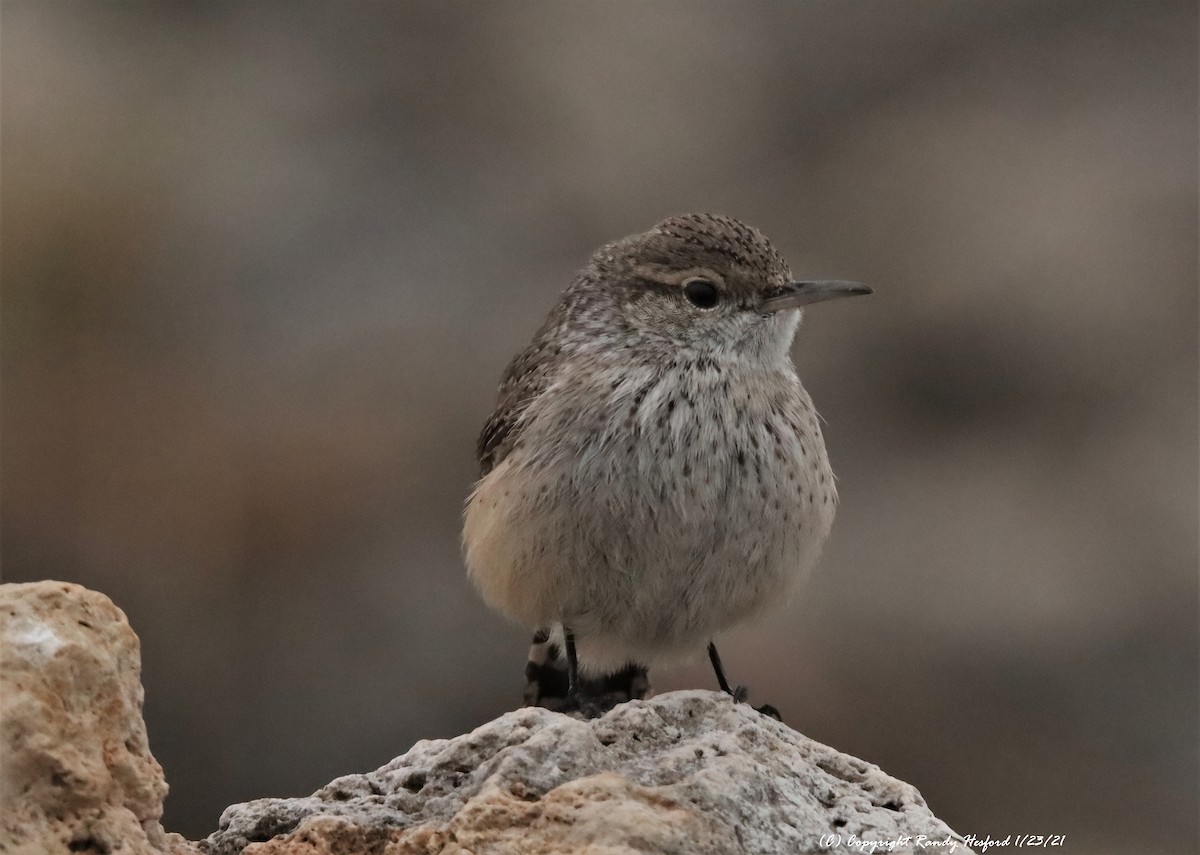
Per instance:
{"type": "Point", "coordinates": [706, 282]}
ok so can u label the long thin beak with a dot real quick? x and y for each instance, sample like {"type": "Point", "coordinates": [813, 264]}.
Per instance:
{"type": "Point", "coordinates": [797, 294]}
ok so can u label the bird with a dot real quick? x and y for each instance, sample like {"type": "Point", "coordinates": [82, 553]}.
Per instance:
{"type": "Point", "coordinates": [653, 473]}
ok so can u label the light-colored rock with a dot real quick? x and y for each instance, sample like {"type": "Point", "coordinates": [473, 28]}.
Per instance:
{"type": "Point", "coordinates": [77, 774]}
{"type": "Point", "coordinates": [686, 772]}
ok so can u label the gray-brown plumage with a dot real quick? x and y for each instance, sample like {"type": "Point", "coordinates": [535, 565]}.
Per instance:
{"type": "Point", "coordinates": [654, 472]}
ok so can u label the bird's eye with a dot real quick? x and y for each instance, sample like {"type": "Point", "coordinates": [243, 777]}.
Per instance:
{"type": "Point", "coordinates": [701, 293]}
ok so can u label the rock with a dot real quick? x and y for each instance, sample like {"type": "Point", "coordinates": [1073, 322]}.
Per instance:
{"type": "Point", "coordinates": [686, 772]}
{"type": "Point", "coordinates": [77, 774]}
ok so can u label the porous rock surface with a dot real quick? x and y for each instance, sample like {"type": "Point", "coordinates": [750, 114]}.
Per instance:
{"type": "Point", "coordinates": [686, 772]}
{"type": "Point", "coordinates": [76, 772]}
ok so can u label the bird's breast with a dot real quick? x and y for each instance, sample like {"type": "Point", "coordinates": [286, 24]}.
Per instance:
{"type": "Point", "coordinates": [677, 499]}
{"type": "Point", "coordinates": [689, 460]}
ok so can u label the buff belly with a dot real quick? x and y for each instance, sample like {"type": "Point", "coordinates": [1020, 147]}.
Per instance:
{"type": "Point", "coordinates": [644, 556]}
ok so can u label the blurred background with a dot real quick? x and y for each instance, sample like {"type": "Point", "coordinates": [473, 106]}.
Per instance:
{"type": "Point", "coordinates": [263, 265]}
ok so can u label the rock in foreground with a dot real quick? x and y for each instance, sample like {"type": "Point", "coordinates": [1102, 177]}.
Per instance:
{"type": "Point", "coordinates": [687, 772]}
{"type": "Point", "coordinates": [77, 773]}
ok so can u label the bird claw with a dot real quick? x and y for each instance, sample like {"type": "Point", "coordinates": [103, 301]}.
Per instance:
{"type": "Point", "coordinates": [741, 694]}
{"type": "Point", "coordinates": [586, 706]}
{"type": "Point", "coordinates": [770, 711]}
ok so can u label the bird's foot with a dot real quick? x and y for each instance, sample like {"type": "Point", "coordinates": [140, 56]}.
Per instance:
{"type": "Point", "coordinates": [769, 710]}
{"type": "Point", "coordinates": [585, 705]}
{"type": "Point", "coordinates": [741, 695]}
{"type": "Point", "coordinates": [548, 682]}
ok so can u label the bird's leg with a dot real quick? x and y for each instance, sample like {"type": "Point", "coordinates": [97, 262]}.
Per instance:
{"type": "Point", "coordinates": [572, 664]}
{"type": "Point", "coordinates": [576, 699]}
{"type": "Point", "coordinates": [741, 692]}
{"type": "Point", "coordinates": [553, 679]}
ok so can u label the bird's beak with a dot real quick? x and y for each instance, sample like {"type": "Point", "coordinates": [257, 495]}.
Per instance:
{"type": "Point", "coordinates": [797, 294]}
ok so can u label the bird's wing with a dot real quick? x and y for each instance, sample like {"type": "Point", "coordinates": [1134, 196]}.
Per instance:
{"type": "Point", "coordinates": [498, 436]}
{"type": "Point", "coordinates": [527, 375]}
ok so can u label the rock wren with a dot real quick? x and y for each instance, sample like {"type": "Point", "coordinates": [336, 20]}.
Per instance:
{"type": "Point", "coordinates": [654, 473]}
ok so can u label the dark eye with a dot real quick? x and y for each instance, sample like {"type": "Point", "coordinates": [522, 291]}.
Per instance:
{"type": "Point", "coordinates": [701, 293]}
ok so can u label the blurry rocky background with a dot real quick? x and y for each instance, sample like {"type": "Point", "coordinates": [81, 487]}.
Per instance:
{"type": "Point", "coordinates": [263, 264]}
